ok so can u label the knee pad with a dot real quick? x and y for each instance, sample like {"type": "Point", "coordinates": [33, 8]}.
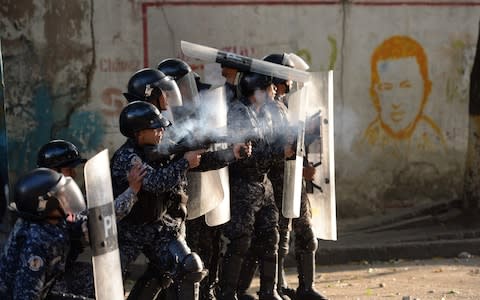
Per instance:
{"type": "Point", "coordinates": [269, 239]}
{"type": "Point", "coordinates": [191, 268]}
{"type": "Point", "coordinates": [191, 263]}
{"type": "Point", "coordinates": [307, 241]}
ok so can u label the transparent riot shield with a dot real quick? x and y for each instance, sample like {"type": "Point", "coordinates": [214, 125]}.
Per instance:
{"type": "Point", "coordinates": [292, 181]}
{"type": "Point", "coordinates": [209, 190]}
{"type": "Point", "coordinates": [221, 214]}
{"type": "Point", "coordinates": [184, 112]}
{"type": "Point", "coordinates": [243, 63]}
{"type": "Point", "coordinates": [319, 144]}
{"type": "Point", "coordinates": [103, 228]}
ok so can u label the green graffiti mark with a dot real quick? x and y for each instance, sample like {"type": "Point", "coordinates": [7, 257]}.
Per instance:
{"type": "Point", "coordinates": [333, 53]}
{"type": "Point", "coordinates": [458, 44]}
{"type": "Point", "coordinates": [458, 78]}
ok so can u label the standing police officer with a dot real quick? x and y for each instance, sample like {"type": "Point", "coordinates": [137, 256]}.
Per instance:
{"type": "Point", "coordinates": [153, 86]}
{"type": "Point", "coordinates": [203, 239]}
{"type": "Point", "coordinates": [305, 240]}
{"type": "Point", "coordinates": [154, 225]}
{"type": "Point", "coordinates": [36, 250]}
{"type": "Point", "coordinates": [254, 215]}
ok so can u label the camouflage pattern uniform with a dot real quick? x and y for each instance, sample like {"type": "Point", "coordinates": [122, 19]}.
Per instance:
{"type": "Point", "coordinates": [305, 240]}
{"type": "Point", "coordinates": [156, 223]}
{"type": "Point", "coordinates": [146, 228]}
{"type": "Point", "coordinates": [206, 240]}
{"type": "Point", "coordinates": [34, 256]}
{"type": "Point", "coordinates": [254, 215]}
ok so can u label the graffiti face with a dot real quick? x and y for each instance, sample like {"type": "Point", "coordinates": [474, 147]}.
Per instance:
{"type": "Point", "coordinates": [400, 87]}
{"type": "Point", "coordinates": [400, 92]}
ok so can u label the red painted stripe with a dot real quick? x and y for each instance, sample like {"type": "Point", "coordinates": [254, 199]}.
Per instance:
{"type": "Point", "coordinates": [241, 2]}
{"type": "Point", "coordinates": [414, 3]}
{"type": "Point", "coordinates": [145, 34]}
{"type": "Point", "coordinates": [307, 2]}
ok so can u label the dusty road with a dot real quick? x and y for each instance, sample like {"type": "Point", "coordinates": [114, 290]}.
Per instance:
{"type": "Point", "coordinates": [439, 278]}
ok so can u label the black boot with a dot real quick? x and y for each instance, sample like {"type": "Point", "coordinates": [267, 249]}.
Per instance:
{"type": "Point", "coordinates": [306, 274]}
{"type": "Point", "coordinates": [207, 291]}
{"type": "Point", "coordinates": [246, 296]}
{"type": "Point", "coordinates": [268, 278]}
{"type": "Point", "coordinates": [231, 267]}
{"type": "Point", "coordinates": [149, 285]}
{"type": "Point", "coordinates": [188, 288]}
{"type": "Point", "coordinates": [283, 289]}
{"type": "Point", "coordinates": [249, 267]}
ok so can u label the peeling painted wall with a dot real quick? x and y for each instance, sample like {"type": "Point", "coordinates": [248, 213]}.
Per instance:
{"type": "Point", "coordinates": [401, 128]}
{"type": "Point", "coordinates": [47, 48]}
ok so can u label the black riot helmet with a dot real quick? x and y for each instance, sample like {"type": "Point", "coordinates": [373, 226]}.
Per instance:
{"type": "Point", "coordinates": [140, 115]}
{"type": "Point", "coordinates": [280, 59]}
{"type": "Point", "coordinates": [43, 190]}
{"type": "Point", "coordinates": [181, 72]}
{"type": "Point", "coordinates": [149, 84]}
{"type": "Point", "coordinates": [58, 154]}
{"type": "Point", "coordinates": [174, 67]}
{"type": "Point", "coordinates": [253, 81]}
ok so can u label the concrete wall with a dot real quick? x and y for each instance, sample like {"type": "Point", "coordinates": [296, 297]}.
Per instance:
{"type": "Point", "coordinates": [67, 62]}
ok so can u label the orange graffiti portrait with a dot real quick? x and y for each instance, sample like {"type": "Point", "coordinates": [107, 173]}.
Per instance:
{"type": "Point", "coordinates": [399, 88]}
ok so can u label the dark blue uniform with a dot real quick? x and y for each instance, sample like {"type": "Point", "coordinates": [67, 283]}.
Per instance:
{"type": "Point", "coordinates": [34, 255]}
{"type": "Point", "coordinates": [254, 215]}
{"type": "Point", "coordinates": [147, 228]}
{"type": "Point", "coordinates": [305, 240]}
{"type": "Point", "coordinates": [155, 225]}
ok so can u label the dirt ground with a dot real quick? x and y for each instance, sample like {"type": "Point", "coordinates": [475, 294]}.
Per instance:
{"type": "Point", "coordinates": [438, 278]}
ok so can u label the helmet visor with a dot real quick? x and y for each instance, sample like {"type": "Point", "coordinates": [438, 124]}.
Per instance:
{"type": "Point", "coordinates": [170, 91]}
{"type": "Point", "coordinates": [69, 196]}
{"type": "Point", "coordinates": [188, 89]}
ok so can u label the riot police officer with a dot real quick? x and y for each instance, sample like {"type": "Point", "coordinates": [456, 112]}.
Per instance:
{"type": "Point", "coordinates": [231, 75]}
{"type": "Point", "coordinates": [36, 250]}
{"type": "Point", "coordinates": [148, 228]}
{"type": "Point", "coordinates": [305, 240]}
{"type": "Point", "coordinates": [254, 215]}
{"type": "Point", "coordinates": [155, 87]}
{"type": "Point", "coordinates": [63, 157]}
{"type": "Point", "coordinates": [203, 239]}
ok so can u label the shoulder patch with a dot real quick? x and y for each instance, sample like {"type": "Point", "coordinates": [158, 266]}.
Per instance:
{"type": "Point", "coordinates": [135, 160]}
{"type": "Point", "coordinates": [35, 263]}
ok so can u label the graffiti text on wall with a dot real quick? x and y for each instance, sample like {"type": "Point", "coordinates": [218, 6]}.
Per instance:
{"type": "Point", "coordinates": [118, 65]}
{"type": "Point", "coordinates": [112, 104]}
{"type": "Point", "coordinates": [399, 88]}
